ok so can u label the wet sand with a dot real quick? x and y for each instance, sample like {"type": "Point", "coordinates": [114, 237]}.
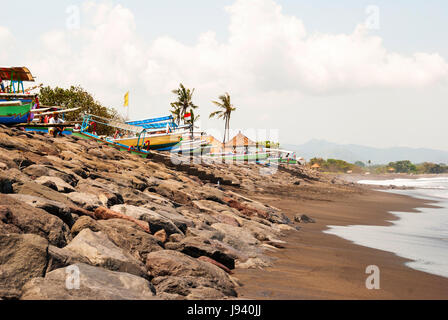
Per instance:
{"type": "Point", "coordinates": [315, 265]}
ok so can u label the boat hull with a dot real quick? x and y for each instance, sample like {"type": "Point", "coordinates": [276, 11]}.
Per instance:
{"type": "Point", "coordinates": [85, 135]}
{"type": "Point", "coordinates": [15, 114]}
{"type": "Point", "coordinates": [161, 143]}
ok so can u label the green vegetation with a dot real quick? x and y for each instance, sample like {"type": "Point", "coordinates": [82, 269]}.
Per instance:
{"type": "Point", "coordinates": [403, 166]}
{"type": "Point", "coordinates": [334, 165]}
{"type": "Point", "coordinates": [268, 144]}
{"type": "Point", "coordinates": [226, 109]}
{"type": "Point", "coordinates": [183, 103]}
{"type": "Point", "coordinates": [77, 97]}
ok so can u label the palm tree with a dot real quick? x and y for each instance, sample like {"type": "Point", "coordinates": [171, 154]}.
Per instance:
{"type": "Point", "coordinates": [226, 109]}
{"type": "Point", "coordinates": [184, 101]}
{"type": "Point", "coordinates": [176, 113]}
{"type": "Point", "coordinates": [192, 121]}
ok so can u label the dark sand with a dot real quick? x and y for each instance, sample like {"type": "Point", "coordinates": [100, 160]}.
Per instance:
{"type": "Point", "coordinates": [315, 265]}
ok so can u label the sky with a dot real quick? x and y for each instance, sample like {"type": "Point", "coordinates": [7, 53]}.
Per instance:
{"type": "Point", "coordinates": [364, 72]}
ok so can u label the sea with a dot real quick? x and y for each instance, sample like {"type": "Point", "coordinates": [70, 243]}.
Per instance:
{"type": "Point", "coordinates": [421, 237]}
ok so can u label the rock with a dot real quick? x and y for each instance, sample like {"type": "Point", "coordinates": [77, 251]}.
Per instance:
{"type": "Point", "coordinates": [122, 233]}
{"type": "Point", "coordinates": [156, 221]}
{"type": "Point", "coordinates": [85, 222]}
{"type": "Point", "coordinates": [103, 213]}
{"type": "Point", "coordinates": [24, 218]}
{"type": "Point", "coordinates": [175, 237]}
{"type": "Point", "coordinates": [161, 235]}
{"type": "Point", "coordinates": [86, 201]}
{"type": "Point", "coordinates": [130, 238]}
{"type": "Point", "coordinates": [108, 196]}
{"type": "Point", "coordinates": [198, 246]}
{"type": "Point", "coordinates": [303, 219]}
{"type": "Point", "coordinates": [94, 284]}
{"type": "Point", "coordinates": [22, 257]}
{"type": "Point", "coordinates": [61, 185]}
{"type": "Point", "coordinates": [190, 288]}
{"type": "Point", "coordinates": [172, 190]}
{"type": "Point", "coordinates": [38, 190]}
{"type": "Point", "coordinates": [55, 208]}
{"type": "Point", "coordinates": [101, 252]}
{"type": "Point", "coordinates": [36, 171]}
{"type": "Point", "coordinates": [16, 175]}
{"type": "Point", "coordinates": [6, 183]}
{"type": "Point", "coordinates": [63, 257]}
{"type": "Point", "coordinates": [175, 264]}
{"type": "Point", "coordinates": [214, 262]}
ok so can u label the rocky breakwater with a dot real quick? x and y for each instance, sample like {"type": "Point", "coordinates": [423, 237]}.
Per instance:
{"type": "Point", "coordinates": [123, 227]}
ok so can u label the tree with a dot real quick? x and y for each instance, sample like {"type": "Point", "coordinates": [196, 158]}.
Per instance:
{"type": "Point", "coordinates": [404, 166]}
{"type": "Point", "coordinates": [176, 114]}
{"type": "Point", "coordinates": [360, 164]}
{"type": "Point", "coordinates": [225, 110]}
{"type": "Point", "coordinates": [192, 121]}
{"type": "Point", "coordinates": [77, 97]}
{"type": "Point", "coordinates": [183, 103]}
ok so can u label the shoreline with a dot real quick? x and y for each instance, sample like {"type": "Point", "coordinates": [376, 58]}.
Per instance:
{"type": "Point", "coordinates": [302, 270]}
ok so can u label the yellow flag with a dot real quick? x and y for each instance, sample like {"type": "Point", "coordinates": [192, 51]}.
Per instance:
{"type": "Point", "coordinates": [126, 99]}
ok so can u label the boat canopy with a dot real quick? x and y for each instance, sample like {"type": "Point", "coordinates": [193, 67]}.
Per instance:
{"type": "Point", "coordinates": [113, 123]}
{"type": "Point", "coordinates": [148, 121]}
{"type": "Point", "coordinates": [16, 74]}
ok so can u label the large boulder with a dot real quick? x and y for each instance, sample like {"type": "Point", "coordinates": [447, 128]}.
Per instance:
{"type": "Point", "coordinates": [22, 257]}
{"type": "Point", "coordinates": [94, 284]}
{"type": "Point", "coordinates": [23, 218]}
{"type": "Point", "coordinates": [55, 182]}
{"type": "Point", "coordinates": [101, 252]}
{"type": "Point", "coordinates": [106, 194]}
{"type": "Point", "coordinates": [55, 208]}
{"type": "Point", "coordinates": [156, 221]}
{"type": "Point", "coordinates": [38, 190]}
{"type": "Point", "coordinates": [172, 190]}
{"type": "Point", "coordinates": [63, 257]}
{"type": "Point", "coordinates": [168, 263]}
{"type": "Point", "coordinates": [86, 201]}
{"type": "Point", "coordinates": [131, 238]}
{"type": "Point", "coordinates": [191, 288]}
{"type": "Point", "coordinates": [36, 170]}
{"type": "Point", "coordinates": [198, 246]}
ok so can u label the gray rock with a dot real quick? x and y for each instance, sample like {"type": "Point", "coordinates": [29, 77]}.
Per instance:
{"type": "Point", "coordinates": [156, 221]}
{"type": "Point", "coordinates": [19, 217]}
{"type": "Point", "coordinates": [63, 257]}
{"type": "Point", "coordinates": [94, 284]}
{"type": "Point", "coordinates": [61, 185]}
{"type": "Point", "coordinates": [22, 257]}
{"type": "Point", "coordinates": [86, 201]}
{"type": "Point", "coordinates": [55, 208]}
{"type": "Point", "coordinates": [168, 263]}
{"type": "Point", "coordinates": [197, 246]}
{"type": "Point", "coordinates": [303, 219]}
{"type": "Point", "coordinates": [101, 252]}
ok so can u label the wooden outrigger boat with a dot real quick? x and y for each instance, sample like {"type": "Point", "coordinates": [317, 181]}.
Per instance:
{"type": "Point", "coordinates": [190, 144]}
{"type": "Point", "coordinates": [16, 102]}
{"type": "Point", "coordinates": [249, 157]}
{"type": "Point", "coordinates": [282, 156]}
{"type": "Point", "coordinates": [141, 142]}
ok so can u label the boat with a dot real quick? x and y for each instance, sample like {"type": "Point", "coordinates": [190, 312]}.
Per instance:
{"type": "Point", "coordinates": [281, 156]}
{"type": "Point", "coordinates": [191, 143]}
{"type": "Point", "coordinates": [140, 140]}
{"type": "Point", "coordinates": [16, 103]}
{"type": "Point", "coordinates": [246, 157]}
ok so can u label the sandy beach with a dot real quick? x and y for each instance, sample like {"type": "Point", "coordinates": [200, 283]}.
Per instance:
{"type": "Point", "coordinates": [315, 265]}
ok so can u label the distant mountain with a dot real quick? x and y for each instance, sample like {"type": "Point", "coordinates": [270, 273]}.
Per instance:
{"type": "Point", "coordinates": [353, 152]}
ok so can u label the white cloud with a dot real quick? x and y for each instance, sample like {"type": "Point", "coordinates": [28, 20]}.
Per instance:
{"type": "Point", "coordinates": [7, 44]}
{"type": "Point", "coordinates": [268, 54]}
